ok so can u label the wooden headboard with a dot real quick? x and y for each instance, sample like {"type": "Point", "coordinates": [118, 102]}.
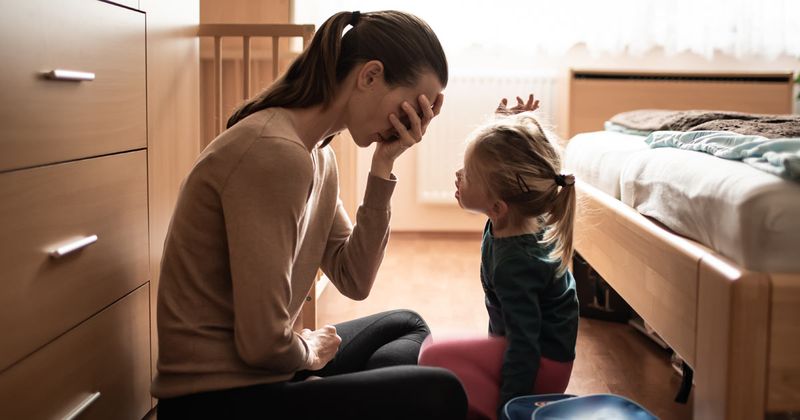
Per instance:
{"type": "Point", "coordinates": [596, 95]}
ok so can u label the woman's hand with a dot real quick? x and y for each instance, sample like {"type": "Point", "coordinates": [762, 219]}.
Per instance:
{"type": "Point", "coordinates": [531, 105]}
{"type": "Point", "coordinates": [386, 152]}
{"type": "Point", "coordinates": [322, 344]}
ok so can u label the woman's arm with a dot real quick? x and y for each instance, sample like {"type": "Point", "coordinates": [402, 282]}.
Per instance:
{"type": "Point", "coordinates": [354, 254]}
{"type": "Point", "coordinates": [262, 207]}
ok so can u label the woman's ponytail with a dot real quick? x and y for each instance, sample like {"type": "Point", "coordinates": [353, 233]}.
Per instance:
{"type": "Point", "coordinates": [312, 77]}
{"type": "Point", "coordinates": [404, 43]}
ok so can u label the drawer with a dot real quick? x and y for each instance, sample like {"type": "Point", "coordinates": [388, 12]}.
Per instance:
{"type": "Point", "coordinates": [105, 360]}
{"type": "Point", "coordinates": [46, 120]}
{"type": "Point", "coordinates": [45, 208]}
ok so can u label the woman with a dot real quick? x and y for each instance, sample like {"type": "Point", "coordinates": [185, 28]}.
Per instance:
{"type": "Point", "coordinates": [259, 214]}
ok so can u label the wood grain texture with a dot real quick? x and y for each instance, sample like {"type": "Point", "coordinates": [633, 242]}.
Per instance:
{"type": "Point", "coordinates": [53, 121]}
{"type": "Point", "coordinates": [593, 101]}
{"type": "Point", "coordinates": [109, 353]}
{"type": "Point", "coordinates": [742, 329]}
{"type": "Point", "coordinates": [732, 334]}
{"type": "Point", "coordinates": [783, 387]}
{"type": "Point", "coordinates": [173, 120]}
{"type": "Point", "coordinates": [48, 207]}
{"type": "Point", "coordinates": [653, 270]}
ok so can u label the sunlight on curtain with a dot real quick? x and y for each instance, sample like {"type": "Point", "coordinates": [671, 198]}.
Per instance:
{"type": "Point", "coordinates": [528, 27]}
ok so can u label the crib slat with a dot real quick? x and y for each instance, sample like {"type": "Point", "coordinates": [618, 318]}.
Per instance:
{"type": "Point", "coordinates": [246, 67]}
{"type": "Point", "coordinates": [275, 47]}
{"type": "Point", "coordinates": [217, 84]}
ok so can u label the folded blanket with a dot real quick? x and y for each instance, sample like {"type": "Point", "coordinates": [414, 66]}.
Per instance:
{"type": "Point", "coordinates": [776, 156]}
{"type": "Point", "coordinates": [769, 126]}
{"type": "Point", "coordinates": [610, 126]}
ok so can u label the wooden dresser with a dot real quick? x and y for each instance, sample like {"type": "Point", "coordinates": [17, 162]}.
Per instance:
{"type": "Point", "coordinates": [77, 201]}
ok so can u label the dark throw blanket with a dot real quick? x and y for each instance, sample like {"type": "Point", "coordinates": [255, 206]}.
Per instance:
{"type": "Point", "coordinates": [769, 126]}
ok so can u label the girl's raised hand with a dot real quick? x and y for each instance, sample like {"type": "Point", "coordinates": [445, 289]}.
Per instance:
{"type": "Point", "coordinates": [521, 106]}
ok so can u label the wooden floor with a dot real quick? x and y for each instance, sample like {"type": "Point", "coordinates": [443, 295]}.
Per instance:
{"type": "Point", "coordinates": [437, 276]}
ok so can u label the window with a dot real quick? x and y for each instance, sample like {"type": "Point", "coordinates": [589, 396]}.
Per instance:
{"type": "Point", "coordinates": [521, 28]}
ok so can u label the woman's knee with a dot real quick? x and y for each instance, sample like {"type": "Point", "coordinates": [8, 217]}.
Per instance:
{"type": "Point", "coordinates": [411, 318]}
{"type": "Point", "coordinates": [440, 378]}
{"type": "Point", "coordinates": [444, 395]}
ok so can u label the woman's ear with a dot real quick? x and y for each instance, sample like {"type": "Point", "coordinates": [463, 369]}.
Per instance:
{"type": "Point", "coordinates": [371, 72]}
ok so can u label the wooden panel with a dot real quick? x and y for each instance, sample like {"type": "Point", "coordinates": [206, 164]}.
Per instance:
{"type": "Point", "coordinates": [593, 101]}
{"type": "Point", "coordinates": [232, 73]}
{"type": "Point", "coordinates": [109, 354]}
{"type": "Point", "coordinates": [228, 12]}
{"type": "Point", "coordinates": [46, 121]}
{"type": "Point", "coordinates": [48, 207]}
{"type": "Point", "coordinates": [732, 332]}
{"type": "Point", "coordinates": [783, 389]}
{"type": "Point", "coordinates": [173, 129]}
{"type": "Point", "coordinates": [653, 270]}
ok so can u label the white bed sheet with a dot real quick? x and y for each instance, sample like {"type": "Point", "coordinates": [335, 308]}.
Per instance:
{"type": "Point", "coordinates": [598, 158]}
{"type": "Point", "coordinates": [749, 216]}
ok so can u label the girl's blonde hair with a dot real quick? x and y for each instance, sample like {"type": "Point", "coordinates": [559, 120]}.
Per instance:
{"type": "Point", "coordinates": [518, 163]}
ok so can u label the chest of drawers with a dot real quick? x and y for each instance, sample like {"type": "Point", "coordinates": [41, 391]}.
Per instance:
{"type": "Point", "coordinates": [74, 239]}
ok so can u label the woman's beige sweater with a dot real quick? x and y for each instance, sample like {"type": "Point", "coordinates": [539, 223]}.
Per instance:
{"type": "Point", "coordinates": [255, 219]}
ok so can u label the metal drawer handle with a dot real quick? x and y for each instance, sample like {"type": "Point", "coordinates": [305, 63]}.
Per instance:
{"type": "Point", "coordinates": [82, 406]}
{"type": "Point", "coordinates": [70, 75]}
{"type": "Point", "coordinates": [73, 246]}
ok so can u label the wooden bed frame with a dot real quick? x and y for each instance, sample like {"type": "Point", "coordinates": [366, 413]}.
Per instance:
{"type": "Point", "coordinates": [739, 330]}
{"type": "Point", "coordinates": [596, 95]}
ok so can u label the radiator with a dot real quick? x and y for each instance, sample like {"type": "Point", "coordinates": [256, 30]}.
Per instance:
{"type": "Point", "coordinates": [469, 101]}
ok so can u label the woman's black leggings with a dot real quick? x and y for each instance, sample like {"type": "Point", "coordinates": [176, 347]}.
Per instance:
{"type": "Point", "coordinates": [373, 376]}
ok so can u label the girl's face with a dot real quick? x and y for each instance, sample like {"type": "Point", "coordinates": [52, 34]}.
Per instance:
{"type": "Point", "coordinates": [471, 191]}
{"type": "Point", "coordinates": [369, 108]}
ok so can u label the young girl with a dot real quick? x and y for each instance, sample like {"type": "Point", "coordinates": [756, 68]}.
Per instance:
{"type": "Point", "coordinates": [512, 175]}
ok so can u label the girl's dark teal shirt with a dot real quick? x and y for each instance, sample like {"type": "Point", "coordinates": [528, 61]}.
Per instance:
{"type": "Point", "coordinates": [533, 308]}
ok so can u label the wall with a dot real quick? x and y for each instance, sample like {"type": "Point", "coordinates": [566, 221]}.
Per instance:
{"type": "Point", "coordinates": [172, 119]}
{"type": "Point", "coordinates": [410, 215]}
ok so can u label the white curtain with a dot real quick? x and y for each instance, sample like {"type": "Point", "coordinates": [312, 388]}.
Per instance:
{"type": "Point", "coordinates": [739, 28]}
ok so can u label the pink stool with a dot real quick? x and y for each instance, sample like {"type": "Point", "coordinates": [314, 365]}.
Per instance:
{"type": "Point", "coordinates": [478, 361]}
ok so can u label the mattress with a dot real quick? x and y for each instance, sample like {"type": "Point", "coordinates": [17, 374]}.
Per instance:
{"type": "Point", "coordinates": [598, 158]}
{"type": "Point", "coordinates": [747, 215]}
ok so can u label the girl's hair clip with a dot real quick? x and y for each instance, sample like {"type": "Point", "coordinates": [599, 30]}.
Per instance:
{"type": "Point", "coordinates": [522, 185]}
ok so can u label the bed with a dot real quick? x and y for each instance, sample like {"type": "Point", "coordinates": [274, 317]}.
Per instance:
{"type": "Point", "coordinates": [707, 251]}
